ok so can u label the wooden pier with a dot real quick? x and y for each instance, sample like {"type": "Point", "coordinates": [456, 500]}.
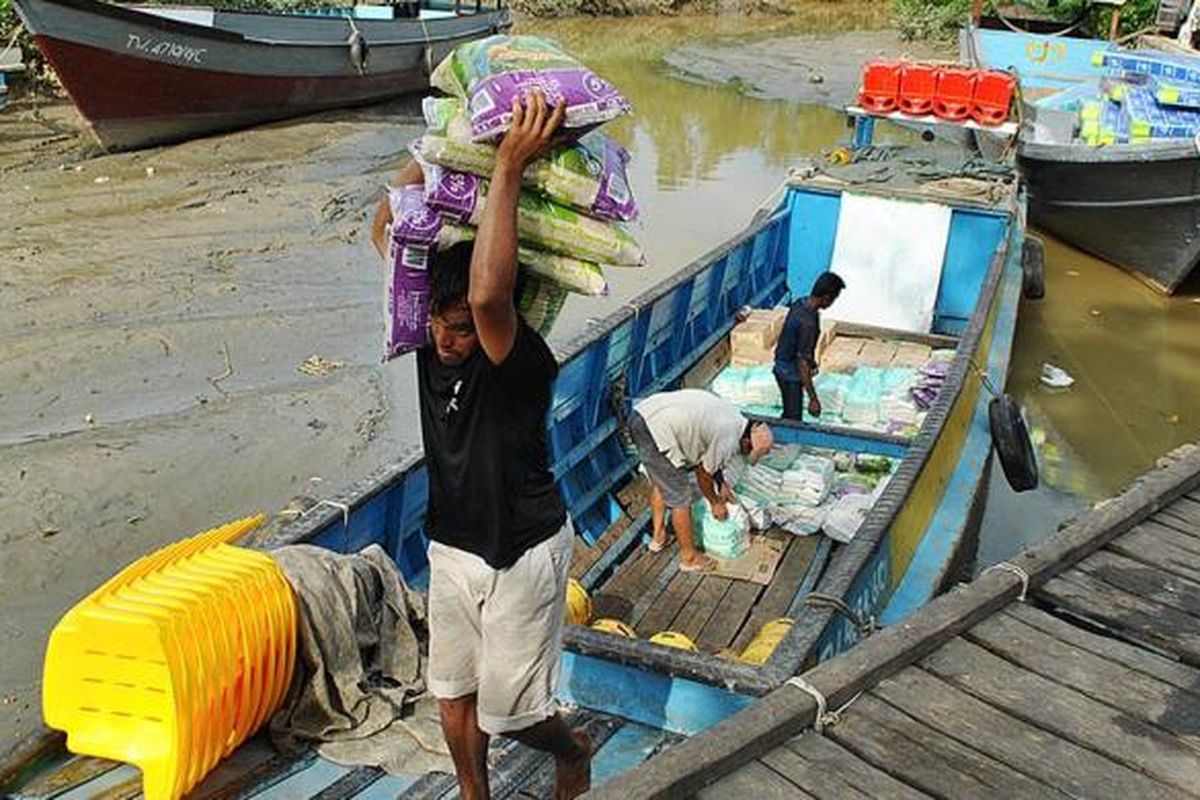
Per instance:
{"type": "Point", "coordinates": [1071, 671]}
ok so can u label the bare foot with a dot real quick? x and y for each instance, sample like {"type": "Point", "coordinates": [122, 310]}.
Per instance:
{"type": "Point", "coordinates": [658, 540]}
{"type": "Point", "coordinates": [573, 776]}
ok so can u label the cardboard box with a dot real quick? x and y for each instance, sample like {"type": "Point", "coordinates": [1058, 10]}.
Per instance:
{"type": "Point", "coordinates": [826, 337]}
{"type": "Point", "coordinates": [876, 353]}
{"type": "Point", "coordinates": [911, 354]}
{"type": "Point", "coordinates": [753, 356]}
{"type": "Point", "coordinates": [771, 317]}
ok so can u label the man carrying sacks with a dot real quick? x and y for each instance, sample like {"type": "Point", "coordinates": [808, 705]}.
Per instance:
{"type": "Point", "coordinates": [501, 540]}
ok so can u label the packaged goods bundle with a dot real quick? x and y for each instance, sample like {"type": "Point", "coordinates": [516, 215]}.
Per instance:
{"type": "Point", "coordinates": [588, 174]}
{"type": "Point", "coordinates": [574, 202]}
{"type": "Point", "coordinates": [489, 73]}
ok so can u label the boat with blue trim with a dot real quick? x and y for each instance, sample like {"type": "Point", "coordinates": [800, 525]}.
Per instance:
{"type": "Point", "coordinates": [1133, 204]}
{"type": "Point", "coordinates": [636, 696]}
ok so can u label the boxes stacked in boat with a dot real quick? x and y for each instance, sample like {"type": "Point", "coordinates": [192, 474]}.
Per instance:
{"type": "Point", "coordinates": [1144, 97]}
{"type": "Point", "coordinates": [752, 341]}
{"type": "Point", "coordinates": [575, 201]}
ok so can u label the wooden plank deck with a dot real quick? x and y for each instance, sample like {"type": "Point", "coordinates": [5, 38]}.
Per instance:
{"type": "Point", "coordinates": [650, 594]}
{"type": "Point", "coordinates": [1088, 688]}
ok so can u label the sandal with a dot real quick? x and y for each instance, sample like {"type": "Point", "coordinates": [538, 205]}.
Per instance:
{"type": "Point", "coordinates": [657, 547]}
{"type": "Point", "coordinates": [703, 564]}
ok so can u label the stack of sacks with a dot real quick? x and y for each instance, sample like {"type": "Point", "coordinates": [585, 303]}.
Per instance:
{"type": "Point", "coordinates": [896, 407]}
{"type": "Point", "coordinates": [760, 484]}
{"type": "Point", "coordinates": [571, 213]}
{"type": "Point", "coordinates": [753, 388]}
{"type": "Point", "coordinates": [845, 515]}
{"type": "Point", "coordinates": [807, 481]}
{"type": "Point", "coordinates": [831, 388]}
{"type": "Point", "coordinates": [862, 398]}
{"type": "Point", "coordinates": [800, 520]}
{"type": "Point", "coordinates": [931, 379]}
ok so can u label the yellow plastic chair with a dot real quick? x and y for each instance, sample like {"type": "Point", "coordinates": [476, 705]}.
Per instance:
{"type": "Point", "coordinates": [176, 660]}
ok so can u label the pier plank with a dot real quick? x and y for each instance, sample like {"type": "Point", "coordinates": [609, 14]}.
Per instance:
{"type": "Point", "coordinates": [1054, 761]}
{"type": "Point", "coordinates": [1114, 684]}
{"type": "Point", "coordinates": [1066, 713]}
{"type": "Point", "coordinates": [911, 752]}
{"type": "Point", "coordinates": [1166, 530]}
{"type": "Point", "coordinates": [1144, 581]}
{"type": "Point", "coordinates": [1180, 676]}
{"type": "Point", "coordinates": [1132, 617]}
{"type": "Point", "coordinates": [755, 780]}
{"type": "Point", "coordinates": [833, 765]}
{"type": "Point", "coordinates": [1173, 522]}
{"type": "Point", "coordinates": [1185, 509]}
{"type": "Point", "coordinates": [1144, 545]}
{"type": "Point", "coordinates": [928, 759]}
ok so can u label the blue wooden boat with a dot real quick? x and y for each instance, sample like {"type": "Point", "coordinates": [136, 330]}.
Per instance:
{"type": "Point", "coordinates": [637, 697]}
{"type": "Point", "coordinates": [1134, 205]}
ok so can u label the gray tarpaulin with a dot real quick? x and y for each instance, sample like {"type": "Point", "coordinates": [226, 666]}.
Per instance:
{"type": "Point", "coordinates": [358, 694]}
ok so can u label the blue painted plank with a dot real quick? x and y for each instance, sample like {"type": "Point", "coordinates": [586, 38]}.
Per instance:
{"type": "Point", "coordinates": [305, 783]}
{"type": "Point", "coordinates": [387, 788]}
{"type": "Point", "coordinates": [814, 218]}
{"type": "Point", "coordinates": [974, 237]}
{"type": "Point", "coordinates": [651, 698]}
{"type": "Point", "coordinates": [628, 747]}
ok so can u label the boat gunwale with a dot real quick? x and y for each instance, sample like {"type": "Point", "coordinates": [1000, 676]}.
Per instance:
{"type": "Point", "coordinates": [488, 20]}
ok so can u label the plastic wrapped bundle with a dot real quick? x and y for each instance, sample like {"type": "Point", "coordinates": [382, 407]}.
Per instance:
{"type": "Point", "coordinates": [807, 481]}
{"type": "Point", "coordinates": [461, 197]}
{"type": "Point", "coordinates": [489, 73]}
{"type": "Point", "coordinates": [862, 398]}
{"type": "Point", "coordinates": [730, 384]}
{"type": "Point", "coordinates": [589, 174]}
{"type": "Point", "coordinates": [412, 235]}
{"type": "Point", "coordinates": [761, 387]}
{"type": "Point", "coordinates": [572, 274]}
{"type": "Point", "coordinates": [831, 388]}
{"type": "Point", "coordinates": [760, 483]}
{"type": "Point", "coordinates": [800, 520]}
{"type": "Point", "coordinates": [846, 515]}
{"type": "Point", "coordinates": [727, 538]}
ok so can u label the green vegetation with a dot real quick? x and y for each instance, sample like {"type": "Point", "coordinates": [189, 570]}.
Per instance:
{"type": "Point", "coordinates": [939, 19]}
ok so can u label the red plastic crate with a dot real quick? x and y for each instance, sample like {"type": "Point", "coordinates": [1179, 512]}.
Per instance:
{"type": "Point", "coordinates": [880, 86]}
{"type": "Point", "coordinates": [918, 86]}
{"type": "Point", "coordinates": [955, 94]}
{"type": "Point", "coordinates": [993, 96]}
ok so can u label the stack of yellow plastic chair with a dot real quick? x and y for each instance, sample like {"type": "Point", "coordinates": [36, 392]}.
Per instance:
{"type": "Point", "coordinates": [175, 661]}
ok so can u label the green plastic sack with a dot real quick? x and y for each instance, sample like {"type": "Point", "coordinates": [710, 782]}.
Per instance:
{"type": "Point", "coordinates": [727, 538]}
{"type": "Point", "coordinates": [540, 302]}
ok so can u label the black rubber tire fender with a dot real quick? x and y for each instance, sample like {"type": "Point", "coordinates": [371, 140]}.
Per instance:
{"type": "Point", "coordinates": [1011, 440]}
{"type": "Point", "coordinates": [1033, 268]}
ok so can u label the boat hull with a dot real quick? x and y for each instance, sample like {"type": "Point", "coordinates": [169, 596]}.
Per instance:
{"type": "Point", "coordinates": [139, 79]}
{"type": "Point", "coordinates": [1137, 207]}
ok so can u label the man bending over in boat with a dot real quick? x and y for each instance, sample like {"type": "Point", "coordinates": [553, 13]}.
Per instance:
{"type": "Point", "coordinates": [795, 352]}
{"type": "Point", "coordinates": [685, 432]}
{"type": "Point", "coordinates": [500, 537]}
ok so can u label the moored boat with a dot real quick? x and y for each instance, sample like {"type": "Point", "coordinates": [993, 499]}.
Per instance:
{"type": "Point", "coordinates": [144, 75]}
{"type": "Point", "coordinates": [639, 696]}
{"type": "Point", "coordinates": [1134, 205]}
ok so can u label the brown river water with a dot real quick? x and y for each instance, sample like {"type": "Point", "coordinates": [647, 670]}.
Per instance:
{"type": "Point", "coordinates": [155, 307]}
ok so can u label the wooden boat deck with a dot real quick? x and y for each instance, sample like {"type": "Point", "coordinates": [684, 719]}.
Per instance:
{"type": "Point", "coordinates": [648, 592]}
{"type": "Point", "coordinates": [1088, 688]}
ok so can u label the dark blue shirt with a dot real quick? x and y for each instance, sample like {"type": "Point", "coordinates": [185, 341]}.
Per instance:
{"type": "Point", "coordinates": [798, 340]}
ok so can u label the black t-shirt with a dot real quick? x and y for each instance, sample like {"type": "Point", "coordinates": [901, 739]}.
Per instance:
{"type": "Point", "coordinates": [491, 491]}
{"type": "Point", "coordinates": [798, 339]}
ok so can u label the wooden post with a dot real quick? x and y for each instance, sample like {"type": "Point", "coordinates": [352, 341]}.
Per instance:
{"type": "Point", "coordinates": [976, 11]}
{"type": "Point", "coordinates": [1114, 22]}
{"type": "Point", "coordinates": [1188, 28]}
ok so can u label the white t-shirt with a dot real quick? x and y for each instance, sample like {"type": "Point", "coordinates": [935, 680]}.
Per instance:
{"type": "Point", "coordinates": [693, 427]}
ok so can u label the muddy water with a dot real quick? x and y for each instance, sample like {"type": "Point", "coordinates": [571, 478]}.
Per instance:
{"type": "Point", "coordinates": [155, 308]}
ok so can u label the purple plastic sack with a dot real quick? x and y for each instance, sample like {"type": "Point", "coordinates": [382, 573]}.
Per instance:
{"type": "Point", "coordinates": [412, 234]}
{"type": "Point", "coordinates": [489, 73]}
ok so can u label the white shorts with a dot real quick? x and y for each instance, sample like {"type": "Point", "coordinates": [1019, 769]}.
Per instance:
{"type": "Point", "coordinates": [498, 633]}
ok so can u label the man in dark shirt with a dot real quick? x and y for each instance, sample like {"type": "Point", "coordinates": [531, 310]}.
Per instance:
{"type": "Point", "coordinates": [795, 353]}
{"type": "Point", "coordinates": [501, 540]}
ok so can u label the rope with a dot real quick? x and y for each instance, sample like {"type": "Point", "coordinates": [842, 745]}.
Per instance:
{"type": "Point", "coordinates": [823, 717]}
{"type": "Point", "coordinates": [345, 509]}
{"type": "Point", "coordinates": [1063, 32]}
{"type": "Point", "coordinates": [865, 627]}
{"type": "Point", "coordinates": [1005, 566]}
